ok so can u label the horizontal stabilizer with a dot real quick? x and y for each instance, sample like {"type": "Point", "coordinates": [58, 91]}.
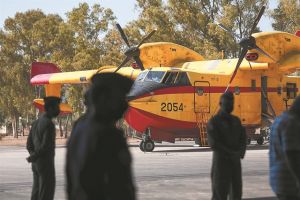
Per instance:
{"type": "Point", "coordinates": [64, 108]}
{"type": "Point", "coordinates": [43, 68]}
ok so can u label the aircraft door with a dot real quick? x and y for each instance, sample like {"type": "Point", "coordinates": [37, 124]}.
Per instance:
{"type": "Point", "coordinates": [201, 96]}
{"type": "Point", "coordinates": [267, 100]}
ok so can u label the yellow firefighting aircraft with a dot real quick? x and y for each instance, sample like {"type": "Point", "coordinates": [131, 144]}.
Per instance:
{"type": "Point", "coordinates": [178, 91]}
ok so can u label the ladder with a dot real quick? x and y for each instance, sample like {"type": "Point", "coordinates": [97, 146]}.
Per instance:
{"type": "Point", "coordinates": [202, 119]}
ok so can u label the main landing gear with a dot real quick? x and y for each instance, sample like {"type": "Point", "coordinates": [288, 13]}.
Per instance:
{"type": "Point", "coordinates": [261, 138]}
{"type": "Point", "coordinates": [147, 145]}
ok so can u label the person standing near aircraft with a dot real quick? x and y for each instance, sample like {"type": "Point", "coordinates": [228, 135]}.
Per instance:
{"type": "Point", "coordinates": [284, 154]}
{"type": "Point", "coordinates": [227, 138]}
{"type": "Point", "coordinates": [106, 169]}
{"type": "Point", "coordinates": [41, 147]}
{"type": "Point", "coordinates": [76, 152]}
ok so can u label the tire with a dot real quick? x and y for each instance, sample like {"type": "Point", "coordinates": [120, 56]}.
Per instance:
{"type": "Point", "coordinates": [142, 146]}
{"type": "Point", "coordinates": [248, 141]}
{"type": "Point", "coordinates": [149, 145]}
{"type": "Point", "coordinates": [197, 140]}
{"type": "Point", "coordinates": [260, 140]}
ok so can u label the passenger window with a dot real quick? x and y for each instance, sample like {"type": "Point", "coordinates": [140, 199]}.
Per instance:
{"type": "Point", "coordinates": [237, 90]}
{"type": "Point", "coordinates": [182, 79]}
{"type": "Point", "coordinates": [170, 78]}
{"type": "Point", "coordinates": [200, 91]}
{"type": "Point", "coordinates": [291, 90]}
{"type": "Point", "coordinates": [279, 90]}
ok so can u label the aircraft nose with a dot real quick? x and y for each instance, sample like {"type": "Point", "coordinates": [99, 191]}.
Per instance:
{"type": "Point", "coordinates": [142, 88]}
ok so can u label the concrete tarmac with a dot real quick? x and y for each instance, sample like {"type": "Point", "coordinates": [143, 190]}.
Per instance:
{"type": "Point", "coordinates": [177, 171]}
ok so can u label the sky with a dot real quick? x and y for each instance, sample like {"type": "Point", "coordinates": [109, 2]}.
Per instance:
{"type": "Point", "coordinates": [124, 10]}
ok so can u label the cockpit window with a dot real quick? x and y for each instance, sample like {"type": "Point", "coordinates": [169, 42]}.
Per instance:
{"type": "Point", "coordinates": [170, 78]}
{"type": "Point", "coordinates": [155, 76]}
{"type": "Point", "coordinates": [176, 78]}
{"type": "Point", "coordinates": [182, 79]}
{"type": "Point", "coordinates": [141, 76]}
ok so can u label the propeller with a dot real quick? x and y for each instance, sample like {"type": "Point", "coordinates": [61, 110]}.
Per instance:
{"type": "Point", "coordinates": [247, 43]}
{"type": "Point", "coordinates": [233, 35]}
{"type": "Point", "coordinates": [133, 52]}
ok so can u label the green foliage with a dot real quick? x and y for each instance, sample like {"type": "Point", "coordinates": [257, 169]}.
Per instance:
{"type": "Point", "coordinates": [286, 16]}
{"type": "Point", "coordinates": [88, 26]}
{"type": "Point", "coordinates": [19, 48]}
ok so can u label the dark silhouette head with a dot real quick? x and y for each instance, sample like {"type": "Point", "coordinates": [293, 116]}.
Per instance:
{"type": "Point", "coordinates": [295, 107]}
{"type": "Point", "coordinates": [227, 102]}
{"type": "Point", "coordinates": [108, 96]}
{"type": "Point", "coordinates": [52, 106]}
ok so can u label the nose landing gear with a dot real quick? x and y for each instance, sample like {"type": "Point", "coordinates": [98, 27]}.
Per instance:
{"type": "Point", "coordinates": [147, 144]}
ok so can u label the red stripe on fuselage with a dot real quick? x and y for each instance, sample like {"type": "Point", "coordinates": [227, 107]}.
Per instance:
{"type": "Point", "coordinates": [140, 120]}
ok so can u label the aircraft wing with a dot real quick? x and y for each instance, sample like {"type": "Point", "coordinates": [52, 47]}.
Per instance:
{"type": "Point", "coordinates": [63, 77]}
{"type": "Point", "coordinates": [49, 73]}
{"type": "Point", "coordinates": [222, 67]}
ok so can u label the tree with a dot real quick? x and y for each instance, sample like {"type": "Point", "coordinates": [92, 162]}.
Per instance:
{"type": "Point", "coordinates": [197, 22]}
{"type": "Point", "coordinates": [89, 26]}
{"type": "Point", "coordinates": [286, 16]}
{"type": "Point", "coordinates": [25, 38]}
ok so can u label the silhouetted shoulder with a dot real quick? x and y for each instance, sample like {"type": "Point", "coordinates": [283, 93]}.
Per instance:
{"type": "Point", "coordinates": [44, 121]}
{"type": "Point", "coordinates": [214, 118]}
{"type": "Point", "coordinates": [236, 119]}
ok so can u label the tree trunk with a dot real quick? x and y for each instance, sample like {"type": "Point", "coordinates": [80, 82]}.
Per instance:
{"type": "Point", "coordinates": [6, 129]}
{"type": "Point", "coordinates": [61, 133]}
{"type": "Point", "coordinates": [66, 127]}
{"type": "Point", "coordinates": [14, 127]}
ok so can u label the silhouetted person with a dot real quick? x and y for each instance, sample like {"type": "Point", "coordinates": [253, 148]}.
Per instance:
{"type": "Point", "coordinates": [227, 138]}
{"type": "Point", "coordinates": [285, 154]}
{"type": "Point", "coordinates": [76, 153]}
{"type": "Point", "coordinates": [41, 147]}
{"type": "Point", "coordinates": [106, 163]}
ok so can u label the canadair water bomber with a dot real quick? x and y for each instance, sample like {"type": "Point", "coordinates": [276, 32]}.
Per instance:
{"type": "Point", "coordinates": [176, 90]}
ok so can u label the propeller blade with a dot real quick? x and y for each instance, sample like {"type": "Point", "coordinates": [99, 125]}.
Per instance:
{"type": "Point", "coordinates": [146, 38]}
{"type": "Point", "coordinates": [242, 55]}
{"type": "Point", "coordinates": [235, 36]}
{"type": "Point", "coordinates": [139, 62]}
{"type": "Point", "coordinates": [123, 35]}
{"type": "Point", "coordinates": [263, 52]}
{"type": "Point", "coordinates": [123, 63]}
{"type": "Point", "coordinates": [261, 12]}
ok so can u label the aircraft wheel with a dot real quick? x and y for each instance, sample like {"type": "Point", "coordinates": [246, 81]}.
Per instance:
{"type": "Point", "coordinates": [149, 146]}
{"type": "Point", "coordinates": [248, 141]}
{"type": "Point", "coordinates": [260, 140]}
{"type": "Point", "coordinates": [142, 146]}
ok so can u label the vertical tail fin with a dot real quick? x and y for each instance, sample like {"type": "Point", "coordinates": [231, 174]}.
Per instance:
{"type": "Point", "coordinates": [42, 72]}
{"type": "Point", "coordinates": [43, 68]}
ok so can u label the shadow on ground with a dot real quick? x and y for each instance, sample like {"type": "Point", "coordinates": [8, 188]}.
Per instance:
{"type": "Point", "coordinates": [200, 149]}
{"type": "Point", "coordinates": [262, 198]}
